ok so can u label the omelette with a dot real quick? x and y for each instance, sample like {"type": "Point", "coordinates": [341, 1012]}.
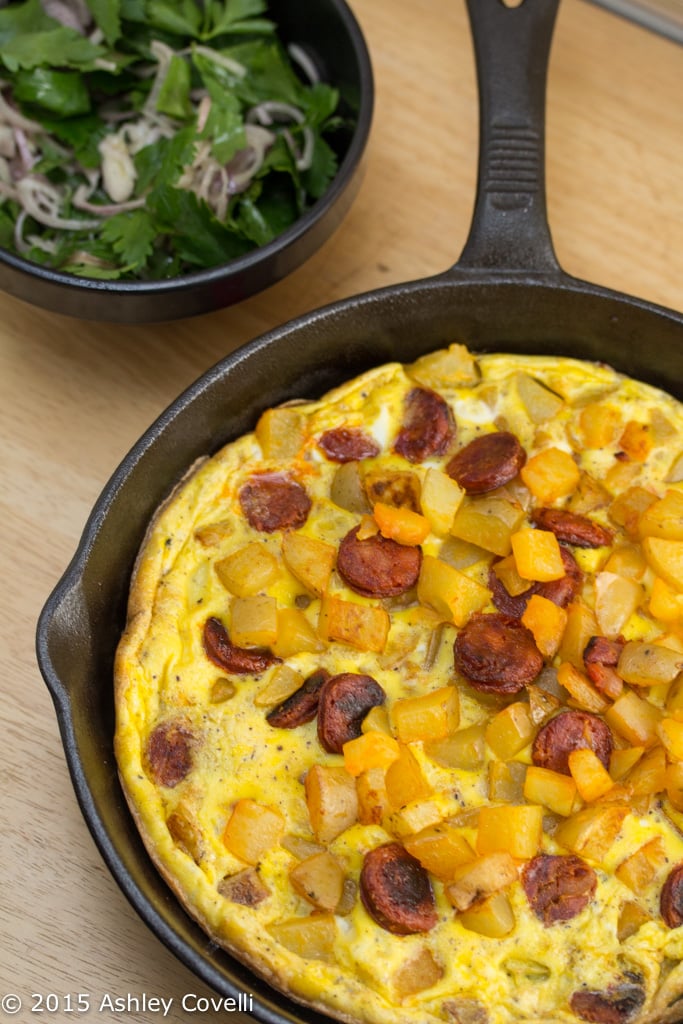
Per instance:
{"type": "Point", "coordinates": [399, 700]}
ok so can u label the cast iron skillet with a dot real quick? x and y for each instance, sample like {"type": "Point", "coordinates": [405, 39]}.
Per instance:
{"type": "Point", "coordinates": [507, 292]}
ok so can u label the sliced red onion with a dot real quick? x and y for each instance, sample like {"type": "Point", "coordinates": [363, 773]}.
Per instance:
{"type": "Point", "coordinates": [42, 202]}
{"type": "Point", "coordinates": [81, 201]}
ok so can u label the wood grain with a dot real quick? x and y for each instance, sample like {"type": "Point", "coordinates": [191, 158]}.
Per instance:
{"type": "Point", "coordinates": [74, 396]}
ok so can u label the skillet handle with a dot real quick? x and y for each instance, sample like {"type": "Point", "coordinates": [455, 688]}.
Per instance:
{"type": "Point", "coordinates": [510, 224]}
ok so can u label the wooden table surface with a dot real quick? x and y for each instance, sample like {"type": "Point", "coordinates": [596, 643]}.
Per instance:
{"type": "Point", "coordinates": [74, 396]}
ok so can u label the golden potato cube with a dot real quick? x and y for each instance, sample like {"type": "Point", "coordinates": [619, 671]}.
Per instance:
{"type": "Point", "coordinates": [537, 555]}
{"type": "Point", "coordinates": [590, 775]}
{"type": "Point", "coordinates": [674, 784]}
{"type": "Point", "coordinates": [398, 487]}
{"type": "Point", "coordinates": [319, 880]}
{"type": "Point", "coordinates": [635, 719]}
{"type": "Point", "coordinates": [332, 801]}
{"type": "Point", "coordinates": [551, 789]}
{"type": "Point", "coordinates": [282, 684]}
{"type": "Point", "coordinates": [466, 748]}
{"type": "Point", "coordinates": [369, 750]}
{"type": "Point", "coordinates": [421, 972]}
{"type": "Point", "coordinates": [542, 704]}
{"type": "Point", "coordinates": [295, 634]}
{"type": "Point", "coordinates": [665, 558]}
{"type": "Point", "coordinates": [510, 730]}
{"type": "Point", "coordinates": [551, 474]}
{"type": "Point", "coordinates": [413, 817]}
{"type": "Point", "coordinates": [591, 832]}
{"type": "Point", "coordinates": [309, 559]}
{"type": "Point", "coordinates": [450, 592]}
{"type": "Point", "coordinates": [647, 664]}
{"type": "Point", "coordinates": [440, 500]}
{"type": "Point", "coordinates": [311, 938]}
{"type": "Point", "coordinates": [636, 440]}
{"type": "Point", "coordinates": [506, 781]}
{"type": "Point", "coordinates": [254, 621]}
{"type": "Point", "coordinates": [347, 489]}
{"type": "Point", "coordinates": [281, 433]}
{"type": "Point", "coordinates": [665, 603]}
{"type": "Point", "coordinates": [638, 870]}
{"type": "Point", "coordinates": [506, 571]}
{"type": "Point", "coordinates": [377, 720]}
{"type": "Point", "coordinates": [401, 524]}
{"type": "Point", "coordinates": [540, 402]}
{"type": "Point", "coordinates": [445, 368]}
{"type": "Point", "coordinates": [581, 689]}
{"type": "Point", "coordinates": [670, 732]}
{"type": "Point", "coordinates": [363, 626]}
{"type": "Point", "coordinates": [516, 829]}
{"type": "Point", "coordinates": [213, 534]}
{"type": "Point", "coordinates": [621, 761]}
{"type": "Point", "coordinates": [616, 599]}
{"type": "Point", "coordinates": [581, 626]}
{"type": "Point", "coordinates": [404, 779]}
{"type": "Point", "coordinates": [627, 560]}
{"type": "Point", "coordinates": [547, 622]}
{"type": "Point", "coordinates": [249, 570]}
{"type": "Point", "coordinates": [632, 917]}
{"type": "Point", "coordinates": [492, 917]}
{"type": "Point", "coordinates": [489, 522]}
{"type": "Point", "coordinates": [674, 699]}
{"type": "Point", "coordinates": [663, 518]}
{"type": "Point", "coordinates": [648, 776]}
{"type": "Point", "coordinates": [431, 716]}
{"type": "Point", "coordinates": [441, 849]}
{"type": "Point", "coordinates": [599, 424]}
{"type": "Point", "coordinates": [373, 799]}
{"type": "Point", "coordinates": [252, 830]}
{"type": "Point", "coordinates": [480, 878]}
{"type": "Point", "coordinates": [628, 507]}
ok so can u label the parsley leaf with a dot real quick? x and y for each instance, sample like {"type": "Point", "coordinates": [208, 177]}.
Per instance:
{"type": "Point", "coordinates": [131, 235]}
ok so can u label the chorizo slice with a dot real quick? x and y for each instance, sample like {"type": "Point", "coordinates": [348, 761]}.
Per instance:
{"type": "Point", "coordinates": [487, 462]}
{"type": "Point", "coordinates": [513, 605]}
{"type": "Point", "coordinates": [348, 444]}
{"type": "Point", "coordinates": [302, 705]}
{"type": "Point", "coordinates": [168, 753]}
{"type": "Point", "coordinates": [497, 653]}
{"type": "Point", "coordinates": [671, 898]}
{"type": "Point", "coordinates": [273, 501]}
{"type": "Point", "coordinates": [617, 1005]}
{"type": "Point", "coordinates": [344, 701]}
{"type": "Point", "coordinates": [561, 592]}
{"type": "Point", "coordinates": [558, 887]}
{"type": "Point", "coordinates": [378, 566]}
{"type": "Point", "coordinates": [396, 891]}
{"type": "Point", "coordinates": [428, 426]}
{"type": "Point", "coordinates": [571, 527]}
{"type": "Point", "coordinates": [568, 731]}
{"type": "Point", "coordinates": [239, 660]}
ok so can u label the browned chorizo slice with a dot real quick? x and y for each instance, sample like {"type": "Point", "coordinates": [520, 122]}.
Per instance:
{"type": "Point", "coordinates": [378, 566]}
{"type": "Point", "coordinates": [302, 705]}
{"type": "Point", "coordinates": [168, 753]}
{"type": "Point", "coordinates": [428, 427]}
{"type": "Point", "coordinates": [396, 891]}
{"type": "Point", "coordinates": [273, 501]}
{"type": "Point", "coordinates": [671, 898]}
{"type": "Point", "coordinates": [513, 605]}
{"type": "Point", "coordinates": [571, 527]}
{"type": "Point", "coordinates": [240, 660]}
{"type": "Point", "coordinates": [617, 1005]}
{"type": "Point", "coordinates": [348, 444]}
{"type": "Point", "coordinates": [568, 731]}
{"type": "Point", "coordinates": [558, 887]}
{"type": "Point", "coordinates": [602, 651]}
{"type": "Point", "coordinates": [344, 702]}
{"type": "Point", "coordinates": [487, 462]}
{"type": "Point", "coordinates": [497, 654]}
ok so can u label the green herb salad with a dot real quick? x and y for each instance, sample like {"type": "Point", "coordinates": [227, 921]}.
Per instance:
{"type": "Point", "coordinates": [142, 139]}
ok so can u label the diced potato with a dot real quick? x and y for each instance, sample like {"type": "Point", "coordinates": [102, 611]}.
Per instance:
{"type": "Point", "coordinates": [621, 476]}
{"type": "Point", "coordinates": [674, 784]}
{"type": "Point", "coordinates": [506, 781]}
{"type": "Point", "coordinates": [213, 534]}
{"type": "Point", "coordinates": [254, 621]}
{"type": "Point", "coordinates": [628, 507]}
{"type": "Point", "coordinates": [537, 555]}
{"type": "Point", "coordinates": [621, 761]}
{"type": "Point", "coordinates": [627, 560]}
{"type": "Point", "coordinates": [368, 528]}
{"type": "Point", "coordinates": [294, 634]}
{"type": "Point", "coordinates": [489, 522]}
{"type": "Point", "coordinates": [551, 789]}
{"type": "Point", "coordinates": [616, 599]}
{"type": "Point", "coordinates": [591, 832]}
{"type": "Point", "coordinates": [413, 817]}
{"type": "Point", "coordinates": [492, 917]}
{"type": "Point", "coordinates": [666, 559]}
{"type": "Point", "coordinates": [450, 592]}
{"type": "Point", "coordinates": [311, 938]}
{"type": "Point", "coordinates": [252, 830]}
{"type": "Point", "coordinates": [431, 716]}
{"type": "Point", "coordinates": [675, 474]}
{"type": "Point", "coordinates": [461, 554]}
{"type": "Point", "coordinates": [363, 626]}
{"type": "Point", "coordinates": [418, 973]}
{"type": "Point", "coordinates": [514, 828]}
{"type": "Point", "coordinates": [369, 750]}
{"type": "Point", "coordinates": [547, 621]}
{"type": "Point", "coordinates": [674, 699]}
{"type": "Point", "coordinates": [581, 689]}
{"type": "Point", "coordinates": [332, 801]}
{"type": "Point", "coordinates": [249, 570]}
{"type": "Point", "coordinates": [665, 603]}
{"type": "Point", "coordinates": [635, 719]}
{"type": "Point", "coordinates": [450, 367]}
{"type": "Point", "coordinates": [590, 775]}
{"type": "Point", "coordinates": [373, 799]}
{"type": "Point", "coordinates": [319, 880]}
{"type": "Point", "coordinates": [348, 491]}
{"type": "Point", "coordinates": [638, 870]}
{"type": "Point", "coordinates": [506, 571]}
{"type": "Point", "coordinates": [664, 518]}
{"type": "Point", "coordinates": [377, 720]}
{"type": "Point", "coordinates": [398, 487]}
{"type": "Point", "coordinates": [440, 500]}
{"type": "Point", "coordinates": [581, 626]}
{"type": "Point", "coordinates": [540, 402]}
{"type": "Point", "coordinates": [441, 849]}
{"type": "Point", "coordinates": [404, 779]}
{"type": "Point", "coordinates": [480, 878]}
{"type": "Point", "coordinates": [246, 887]}
{"type": "Point", "coordinates": [636, 440]}
{"type": "Point", "coordinates": [551, 474]}
{"type": "Point", "coordinates": [670, 732]}
{"type": "Point", "coordinates": [599, 424]}
{"type": "Point", "coordinates": [466, 749]}
{"type": "Point", "coordinates": [401, 524]}
{"type": "Point", "coordinates": [589, 495]}
{"type": "Point", "coordinates": [632, 917]}
{"type": "Point", "coordinates": [185, 831]}
{"type": "Point", "coordinates": [510, 730]}
{"type": "Point", "coordinates": [281, 432]}
{"type": "Point", "coordinates": [309, 559]}
{"type": "Point", "coordinates": [221, 690]}
{"type": "Point", "coordinates": [299, 846]}
{"type": "Point", "coordinates": [645, 664]}
{"type": "Point", "coordinates": [648, 776]}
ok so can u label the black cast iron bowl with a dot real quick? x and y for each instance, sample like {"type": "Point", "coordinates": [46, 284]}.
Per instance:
{"type": "Point", "coordinates": [506, 293]}
{"type": "Point", "coordinates": [329, 34]}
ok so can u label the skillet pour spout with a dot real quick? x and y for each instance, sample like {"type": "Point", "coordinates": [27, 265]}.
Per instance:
{"type": "Point", "coordinates": [506, 293]}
